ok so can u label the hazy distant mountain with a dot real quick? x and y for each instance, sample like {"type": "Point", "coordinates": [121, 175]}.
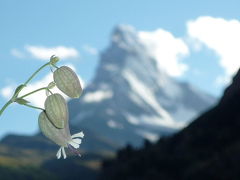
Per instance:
{"type": "Point", "coordinates": [131, 98]}
{"type": "Point", "coordinates": [209, 148]}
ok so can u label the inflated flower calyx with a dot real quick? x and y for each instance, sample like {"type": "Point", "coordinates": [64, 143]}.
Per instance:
{"type": "Point", "coordinates": [17, 91]}
{"type": "Point", "coordinates": [50, 131]}
{"type": "Point", "coordinates": [56, 110]}
{"type": "Point", "coordinates": [62, 137]}
{"type": "Point", "coordinates": [67, 81]}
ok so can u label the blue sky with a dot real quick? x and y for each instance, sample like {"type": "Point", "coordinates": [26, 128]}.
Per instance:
{"type": "Point", "coordinates": [84, 28]}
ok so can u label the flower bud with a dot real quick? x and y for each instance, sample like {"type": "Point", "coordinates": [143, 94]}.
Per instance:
{"type": "Point", "coordinates": [54, 59]}
{"type": "Point", "coordinates": [58, 136]}
{"type": "Point", "coordinates": [67, 81]}
{"type": "Point", "coordinates": [51, 85]}
{"type": "Point", "coordinates": [56, 110]}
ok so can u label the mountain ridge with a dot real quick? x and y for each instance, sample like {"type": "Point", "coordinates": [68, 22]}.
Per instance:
{"type": "Point", "coordinates": [207, 149]}
{"type": "Point", "coordinates": [130, 98]}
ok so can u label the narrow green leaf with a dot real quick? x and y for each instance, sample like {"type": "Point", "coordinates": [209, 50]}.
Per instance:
{"type": "Point", "coordinates": [18, 89]}
{"type": "Point", "coordinates": [22, 101]}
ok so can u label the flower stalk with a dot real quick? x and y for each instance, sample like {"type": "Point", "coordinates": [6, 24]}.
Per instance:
{"type": "Point", "coordinates": [35, 73]}
{"type": "Point", "coordinates": [19, 88]}
{"type": "Point", "coordinates": [53, 120]}
{"type": "Point", "coordinates": [5, 106]}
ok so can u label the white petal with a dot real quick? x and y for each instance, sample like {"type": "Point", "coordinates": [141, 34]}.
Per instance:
{"type": "Point", "coordinates": [80, 134]}
{"type": "Point", "coordinates": [64, 153]}
{"type": "Point", "coordinates": [78, 141]}
{"type": "Point", "coordinates": [75, 145]}
{"type": "Point", "coordinates": [59, 153]}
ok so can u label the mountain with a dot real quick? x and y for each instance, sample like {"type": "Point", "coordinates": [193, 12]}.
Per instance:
{"type": "Point", "coordinates": [209, 148]}
{"type": "Point", "coordinates": [34, 157]}
{"type": "Point", "coordinates": [37, 142]}
{"type": "Point", "coordinates": [131, 98]}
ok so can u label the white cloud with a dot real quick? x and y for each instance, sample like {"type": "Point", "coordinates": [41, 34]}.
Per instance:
{"type": "Point", "coordinates": [7, 91]}
{"type": "Point", "coordinates": [37, 99]}
{"type": "Point", "coordinates": [91, 50]}
{"type": "Point", "coordinates": [17, 53]}
{"type": "Point", "coordinates": [44, 53]}
{"type": "Point", "coordinates": [193, 44]}
{"type": "Point", "coordinates": [167, 50]}
{"type": "Point", "coordinates": [222, 36]}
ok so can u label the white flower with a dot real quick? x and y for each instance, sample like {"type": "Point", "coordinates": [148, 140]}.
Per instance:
{"type": "Point", "coordinates": [73, 145]}
{"type": "Point", "coordinates": [61, 137]}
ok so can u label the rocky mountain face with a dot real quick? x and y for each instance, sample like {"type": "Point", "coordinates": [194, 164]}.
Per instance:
{"type": "Point", "coordinates": [131, 98]}
{"type": "Point", "coordinates": [209, 148]}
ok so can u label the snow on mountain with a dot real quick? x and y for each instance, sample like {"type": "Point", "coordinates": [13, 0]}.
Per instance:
{"type": "Point", "coordinates": [131, 98]}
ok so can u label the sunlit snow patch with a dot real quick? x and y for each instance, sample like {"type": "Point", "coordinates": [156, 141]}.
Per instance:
{"type": "Point", "coordinates": [97, 96]}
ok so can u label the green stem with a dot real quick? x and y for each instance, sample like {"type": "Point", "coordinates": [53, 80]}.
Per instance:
{"type": "Point", "coordinates": [50, 91]}
{"type": "Point", "coordinates": [16, 93]}
{"type": "Point", "coordinates": [33, 107]}
{"type": "Point", "coordinates": [5, 106]}
{"type": "Point", "coordinates": [54, 66]}
{"type": "Point", "coordinates": [33, 92]}
{"type": "Point", "coordinates": [29, 79]}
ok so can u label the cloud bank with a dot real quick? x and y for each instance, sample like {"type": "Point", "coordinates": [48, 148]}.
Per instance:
{"type": "Point", "coordinates": [43, 53]}
{"type": "Point", "coordinates": [218, 34]}
{"type": "Point", "coordinates": [167, 50]}
{"type": "Point", "coordinates": [222, 36]}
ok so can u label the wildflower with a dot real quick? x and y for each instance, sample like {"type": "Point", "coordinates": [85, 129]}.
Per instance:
{"type": "Point", "coordinates": [56, 109]}
{"type": "Point", "coordinates": [73, 145]}
{"type": "Point", "coordinates": [67, 81]}
{"type": "Point", "coordinates": [62, 137]}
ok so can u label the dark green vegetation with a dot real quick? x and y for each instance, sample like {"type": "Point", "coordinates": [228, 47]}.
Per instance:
{"type": "Point", "coordinates": [209, 148]}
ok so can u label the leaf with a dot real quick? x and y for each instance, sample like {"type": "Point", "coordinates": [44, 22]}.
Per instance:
{"type": "Point", "coordinates": [22, 101]}
{"type": "Point", "coordinates": [18, 89]}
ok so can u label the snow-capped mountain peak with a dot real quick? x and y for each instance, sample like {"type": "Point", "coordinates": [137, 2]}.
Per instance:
{"type": "Point", "coordinates": [130, 98]}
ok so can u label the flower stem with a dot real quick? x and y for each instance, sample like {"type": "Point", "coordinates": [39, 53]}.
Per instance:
{"type": "Point", "coordinates": [16, 93]}
{"type": "Point", "coordinates": [5, 106]}
{"type": "Point", "coordinates": [29, 79]}
{"type": "Point", "coordinates": [33, 92]}
{"type": "Point", "coordinates": [33, 107]}
{"type": "Point", "coordinates": [55, 66]}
